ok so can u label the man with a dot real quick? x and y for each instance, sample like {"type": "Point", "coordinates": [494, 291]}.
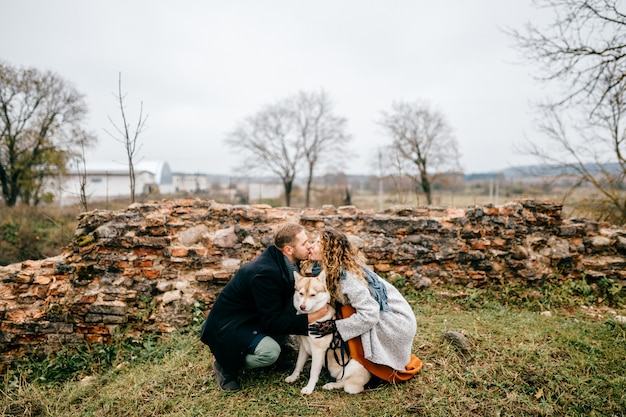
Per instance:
{"type": "Point", "coordinates": [254, 311]}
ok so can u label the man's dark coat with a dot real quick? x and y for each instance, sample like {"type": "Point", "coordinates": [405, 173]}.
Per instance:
{"type": "Point", "coordinates": [258, 299]}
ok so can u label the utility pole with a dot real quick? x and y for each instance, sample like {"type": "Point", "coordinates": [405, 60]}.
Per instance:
{"type": "Point", "coordinates": [380, 181]}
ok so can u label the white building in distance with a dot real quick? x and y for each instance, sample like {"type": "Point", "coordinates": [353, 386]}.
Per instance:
{"type": "Point", "coordinates": [111, 180]}
{"type": "Point", "coordinates": [190, 183]}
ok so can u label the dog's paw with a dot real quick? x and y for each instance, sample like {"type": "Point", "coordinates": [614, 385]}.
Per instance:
{"type": "Point", "coordinates": [330, 386]}
{"type": "Point", "coordinates": [292, 378]}
{"type": "Point", "coordinates": [307, 390]}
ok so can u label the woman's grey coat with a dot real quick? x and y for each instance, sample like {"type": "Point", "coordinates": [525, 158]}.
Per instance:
{"type": "Point", "coordinates": [387, 336]}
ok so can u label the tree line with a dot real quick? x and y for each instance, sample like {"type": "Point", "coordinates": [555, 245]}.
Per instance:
{"type": "Point", "coordinates": [42, 118]}
{"type": "Point", "coordinates": [302, 131]}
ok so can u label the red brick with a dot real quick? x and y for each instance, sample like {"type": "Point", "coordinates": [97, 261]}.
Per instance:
{"type": "Point", "coordinates": [142, 263]}
{"type": "Point", "coordinates": [178, 252]}
{"type": "Point", "coordinates": [151, 273]}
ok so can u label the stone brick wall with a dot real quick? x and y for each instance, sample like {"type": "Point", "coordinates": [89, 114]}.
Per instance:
{"type": "Point", "coordinates": [147, 267]}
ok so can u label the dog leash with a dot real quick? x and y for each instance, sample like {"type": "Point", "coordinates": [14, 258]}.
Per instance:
{"type": "Point", "coordinates": [340, 351]}
{"type": "Point", "coordinates": [339, 347]}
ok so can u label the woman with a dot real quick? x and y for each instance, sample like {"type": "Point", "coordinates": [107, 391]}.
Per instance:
{"type": "Point", "coordinates": [381, 319]}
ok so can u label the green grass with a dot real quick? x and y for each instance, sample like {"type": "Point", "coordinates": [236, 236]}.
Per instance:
{"type": "Point", "coordinates": [521, 364]}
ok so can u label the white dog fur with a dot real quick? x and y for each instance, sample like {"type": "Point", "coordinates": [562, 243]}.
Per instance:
{"type": "Point", "coordinates": [310, 296]}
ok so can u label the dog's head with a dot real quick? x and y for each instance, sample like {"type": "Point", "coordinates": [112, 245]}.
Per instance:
{"type": "Point", "coordinates": [310, 294]}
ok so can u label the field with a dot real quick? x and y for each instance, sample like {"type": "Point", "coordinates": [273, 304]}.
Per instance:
{"type": "Point", "coordinates": [521, 363]}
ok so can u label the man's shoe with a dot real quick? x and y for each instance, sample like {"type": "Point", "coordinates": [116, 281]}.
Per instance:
{"type": "Point", "coordinates": [225, 381]}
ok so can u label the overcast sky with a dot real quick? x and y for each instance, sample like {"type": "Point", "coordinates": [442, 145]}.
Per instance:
{"type": "Point", "coordinates": [201, 66]}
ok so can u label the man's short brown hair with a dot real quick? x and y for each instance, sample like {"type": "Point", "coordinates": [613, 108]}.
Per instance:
{"type": "Point", "coordinates": [286, 234]}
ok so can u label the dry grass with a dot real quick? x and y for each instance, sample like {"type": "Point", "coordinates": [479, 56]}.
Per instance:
{"type": "Point", "coordinates": [34, 233]}
{"type": "Point", "coordinates": [521, 364]}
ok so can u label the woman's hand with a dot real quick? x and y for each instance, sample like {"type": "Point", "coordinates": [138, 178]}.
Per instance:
{"type": "Point", "coordinates": [322, 328]}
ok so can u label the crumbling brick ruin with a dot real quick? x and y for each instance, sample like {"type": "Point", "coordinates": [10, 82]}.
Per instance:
{"type": "Point", "coordinates": [144, 268]}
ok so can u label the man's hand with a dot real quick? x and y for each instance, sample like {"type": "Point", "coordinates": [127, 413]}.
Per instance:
{"type": "Point", "coordinates": [312, 317]}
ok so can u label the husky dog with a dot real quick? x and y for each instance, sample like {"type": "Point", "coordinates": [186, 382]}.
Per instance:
{"type": "Point", "coordinates": [310, 296]}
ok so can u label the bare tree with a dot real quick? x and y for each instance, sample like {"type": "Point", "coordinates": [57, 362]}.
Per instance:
{"type": "Point", "coordinates": [589, 149]}
{"type": "Point", "coordinates": [268, 141]}
{"type": "Point", "coordinates": [298, 129]}
{"type": "Point", "coordinates": [41, 118]}
{"type": "Point", "coordinates": [422, 136]}
{"type": "Point", "coordinates": [127, 137]}
{"type": "Point", "coordinates": [322, 134]}
{"type": "Point", "coordinates": [582, 51]}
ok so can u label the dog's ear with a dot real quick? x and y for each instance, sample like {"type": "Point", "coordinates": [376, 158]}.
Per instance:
{"type": "Point", "coordinates": [296, 276]}
{"type": "Point", "coordinates": [321, 277]}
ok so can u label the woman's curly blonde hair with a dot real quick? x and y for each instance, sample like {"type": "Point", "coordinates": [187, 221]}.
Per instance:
{"type": "Point", "coordinates": [338, 253]}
